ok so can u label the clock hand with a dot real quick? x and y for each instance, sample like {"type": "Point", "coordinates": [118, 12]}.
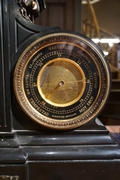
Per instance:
{"type": "Point", "coordinates": [84, 80]}
{"type": "Point", "coordinates": [62, 83]}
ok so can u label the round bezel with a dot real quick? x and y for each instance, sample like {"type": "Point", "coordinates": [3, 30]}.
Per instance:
{"type": "Point", "coordinates": [62, 80]}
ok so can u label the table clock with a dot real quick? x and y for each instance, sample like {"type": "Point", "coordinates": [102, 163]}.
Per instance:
{"type": "Point", "coordinates": [54, 83]}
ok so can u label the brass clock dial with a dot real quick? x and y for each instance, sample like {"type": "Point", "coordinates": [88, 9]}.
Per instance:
{"type": "Point", "coordinates": [62, 80]}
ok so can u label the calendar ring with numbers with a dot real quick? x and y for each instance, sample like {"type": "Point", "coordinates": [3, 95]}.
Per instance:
{"type": "Point", "coordinates": [62, 80]}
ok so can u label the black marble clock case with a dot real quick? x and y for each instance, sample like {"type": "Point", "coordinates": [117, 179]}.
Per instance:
{"type": "Point", "coordinates": [29, 151]}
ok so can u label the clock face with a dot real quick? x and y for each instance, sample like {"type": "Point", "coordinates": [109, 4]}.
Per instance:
{"type": "Point", "coordinates": [62, 80]}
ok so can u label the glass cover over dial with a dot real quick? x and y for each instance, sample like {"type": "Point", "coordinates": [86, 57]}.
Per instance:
{"type": "Point", "coordinates": [61, 82]}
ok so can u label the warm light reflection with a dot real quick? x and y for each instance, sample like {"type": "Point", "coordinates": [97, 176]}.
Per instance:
{"type": "Point", "coordinates": [110, 41]}
{"type": "Point", "coordinates": [105, 53]}
{"type": "Point", "coordinates": [96, 40]}
{"type": "Point", "coordinates": [106, 40]}
{"type": "Point", "coordinates": [91, 1]}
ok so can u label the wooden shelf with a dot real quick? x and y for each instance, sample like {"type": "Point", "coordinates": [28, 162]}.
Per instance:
{"type": "Point", "coordinates": [115, 132]}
